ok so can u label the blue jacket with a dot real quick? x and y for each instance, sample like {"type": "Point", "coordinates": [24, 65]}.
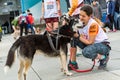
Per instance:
{"type": "Point", "coordinates": [110, 7]}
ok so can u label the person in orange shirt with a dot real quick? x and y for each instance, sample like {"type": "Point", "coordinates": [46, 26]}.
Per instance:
{"type": "Point", "coordinates": [74, 7]}
{"type": "Point", "coordinates": [92, 40]}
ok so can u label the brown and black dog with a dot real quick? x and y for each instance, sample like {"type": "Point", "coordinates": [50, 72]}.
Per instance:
{"type": "Point", "coordinates": [27, 46]}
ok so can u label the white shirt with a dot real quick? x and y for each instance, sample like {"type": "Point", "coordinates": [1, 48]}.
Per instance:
{"type": "Point", "coordinates": [101, 36]}
{"type": "Point", "coordinates": [50, 8]}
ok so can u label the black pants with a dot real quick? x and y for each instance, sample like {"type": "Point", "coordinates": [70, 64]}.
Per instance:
{"type": "Point", "coordinates": [111, 18]}
{"type": "Point", "coordinates": [23, 26]}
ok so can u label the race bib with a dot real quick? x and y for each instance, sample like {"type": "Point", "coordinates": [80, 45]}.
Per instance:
{"type": "Point", "coordinates": [50, 5]}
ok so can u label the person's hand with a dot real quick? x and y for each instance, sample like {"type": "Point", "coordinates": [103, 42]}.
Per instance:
{"type": "Point", "coordinates": [59, 12]}
{"type": "Point", "coordinates": [76, 35]}
{"type": "Point", "coordinates": [41, 18]}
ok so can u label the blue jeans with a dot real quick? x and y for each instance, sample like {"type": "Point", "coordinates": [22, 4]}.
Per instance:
{"type": "Point", "coordinates": [91, 51]}
{"type": "Point", "coordinates": [31, 27]}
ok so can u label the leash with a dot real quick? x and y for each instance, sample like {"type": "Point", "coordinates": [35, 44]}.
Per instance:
{"type": "Point", "coordinates": [81, 71]}
{"type": "Point", "coordinates": [57, 38]}
{"type": "Point", "coordinates": [36, 73]}
{"type": "Point", "coordinates": [50, 40]}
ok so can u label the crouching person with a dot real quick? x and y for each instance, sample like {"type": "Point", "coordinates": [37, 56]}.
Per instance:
{"type": "Point", "coordinates": [92, 40]}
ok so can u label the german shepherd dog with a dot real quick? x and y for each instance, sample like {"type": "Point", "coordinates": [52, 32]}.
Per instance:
{"type": "Point", "coordinates": [27, 46]}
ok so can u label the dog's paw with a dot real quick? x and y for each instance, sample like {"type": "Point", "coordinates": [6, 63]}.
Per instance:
{"type": "Point", "coordinates": [68, 73]}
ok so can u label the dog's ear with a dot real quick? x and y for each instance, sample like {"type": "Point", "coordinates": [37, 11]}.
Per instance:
{"type": "Point", "coordinates": [64, 20]}
{"type": "Point", "coordinates": [66, 17]}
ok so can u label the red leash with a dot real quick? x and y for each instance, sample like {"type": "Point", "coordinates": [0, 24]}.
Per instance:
{"type": "Point", "coordinates": [87, 70]}
{"type": "Point", "coordinates": [76, 70]}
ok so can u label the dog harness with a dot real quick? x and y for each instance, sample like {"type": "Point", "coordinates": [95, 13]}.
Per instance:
{"type": "Point", "coordinates": [51, 43]}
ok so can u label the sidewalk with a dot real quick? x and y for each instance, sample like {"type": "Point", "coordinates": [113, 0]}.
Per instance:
{"type": "Point", "coordinates": [49, 68]}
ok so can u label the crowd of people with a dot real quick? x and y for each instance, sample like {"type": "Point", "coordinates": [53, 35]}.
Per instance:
{"type": "Point", "coordinates": [92, 39]}
{"type": "Point", "coordinates": [24, 23]}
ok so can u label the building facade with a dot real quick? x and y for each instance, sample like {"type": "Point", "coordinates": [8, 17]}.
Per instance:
{"type": "Point", "coordinates": [8, 10]}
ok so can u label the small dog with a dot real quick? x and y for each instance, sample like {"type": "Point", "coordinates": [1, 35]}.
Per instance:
{"type": "Point", "coordinates": [27, 46]}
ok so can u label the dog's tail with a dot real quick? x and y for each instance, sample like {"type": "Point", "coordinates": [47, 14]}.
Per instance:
{"type": "Point", "coordinates": [11, 55]}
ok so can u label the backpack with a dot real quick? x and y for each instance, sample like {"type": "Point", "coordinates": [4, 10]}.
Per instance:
{"type": "Point", "coordinates": [23, 19]}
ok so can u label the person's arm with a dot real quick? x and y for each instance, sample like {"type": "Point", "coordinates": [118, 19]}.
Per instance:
{"type": "Point", "coordinates": [59, 8]}
{"type": "Point", "coordinates": [93, 31]}
{"type": "Point", "coordinates": [42, 11]}
{"type": "Point", "coordinates": [42, 15]}
{"type": "Point", "coordinates": [73, 7]}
